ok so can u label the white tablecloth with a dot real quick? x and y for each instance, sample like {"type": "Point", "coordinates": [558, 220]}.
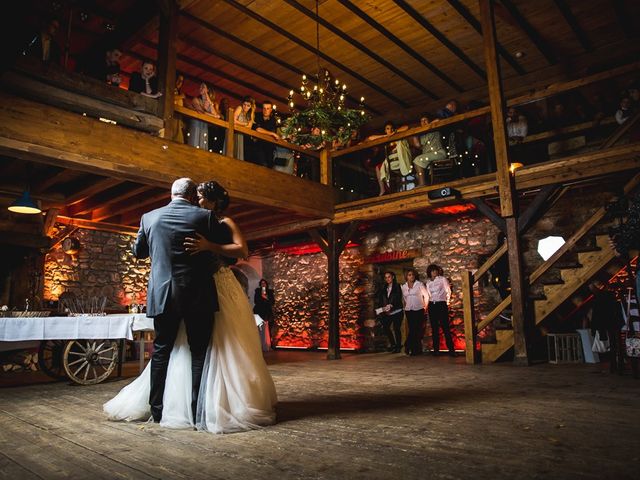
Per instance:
{"type": "Point", "coordinates": [14, 329]}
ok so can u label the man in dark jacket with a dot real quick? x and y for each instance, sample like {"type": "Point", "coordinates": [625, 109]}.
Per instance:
{"type": "Point", "coordinates": [181, 286]}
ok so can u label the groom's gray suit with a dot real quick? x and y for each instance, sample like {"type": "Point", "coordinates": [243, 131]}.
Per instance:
{"type": "Point", "coordinates": [181, 287]}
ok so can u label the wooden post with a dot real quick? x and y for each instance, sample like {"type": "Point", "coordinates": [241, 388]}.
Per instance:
{"type": "Point", "coordinates": [333, 259]}
{"type": "Point", "coordinates": [470, 327]}
{"type": "Point", "coordinates": [326, 170]}
{"type": "Point", "coordinates": [167, 40]}
{"type": "Point", "coordinates": [505, 181]}
{"type": "Point", "coordinates": [229, 144]}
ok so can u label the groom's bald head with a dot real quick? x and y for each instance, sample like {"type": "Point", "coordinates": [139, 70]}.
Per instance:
{"type": "Point", "coordinates": [184, 188]}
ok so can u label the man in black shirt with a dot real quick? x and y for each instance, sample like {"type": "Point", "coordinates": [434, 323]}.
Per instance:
{"type": "Point", "coordinates": [265, 122]}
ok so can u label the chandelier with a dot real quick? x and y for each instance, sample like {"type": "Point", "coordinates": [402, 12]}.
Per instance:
{"type": "Point", "coordinates": [325, 117]}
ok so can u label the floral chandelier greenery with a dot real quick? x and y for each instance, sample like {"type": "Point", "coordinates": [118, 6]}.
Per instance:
{"type": "Point", "coordinates": [325, 118]}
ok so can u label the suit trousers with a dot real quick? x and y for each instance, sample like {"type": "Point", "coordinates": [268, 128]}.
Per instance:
{"type": "Point", "coordinates": [395, 337]}
{"type": "Point", "coordinates": [415, 319]}
{"type": "Point", "coordinates": [439, 317]}
{"type": "Point", "coordinates": [199, 328]}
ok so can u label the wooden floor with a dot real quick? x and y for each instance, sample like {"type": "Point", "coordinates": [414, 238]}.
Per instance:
{"type": "Point", "coordinates": [368, 417]}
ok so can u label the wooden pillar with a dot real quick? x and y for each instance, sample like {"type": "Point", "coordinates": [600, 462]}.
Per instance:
{"type": "Point", "coordinates": [470, 326]}
{"type": "Point", "coordinates": [326, 170]}
{"type": "Point", "coordinates": [230, 140]}
{"type": "Point", "coordinates": [505, 182]}
{"type": "Point", "coordinates": [333, 258]}
{"type": "Point", "coordinates": [167, 41]}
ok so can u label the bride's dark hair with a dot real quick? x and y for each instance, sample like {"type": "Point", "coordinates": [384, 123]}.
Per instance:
{"type": "Point", "coordinates": [214, 192]}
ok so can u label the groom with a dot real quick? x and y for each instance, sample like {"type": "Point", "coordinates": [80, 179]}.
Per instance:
{"type": "Point", "coordinates": [181, 286]}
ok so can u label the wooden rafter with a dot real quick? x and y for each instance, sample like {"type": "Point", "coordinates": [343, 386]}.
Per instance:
{"type": "Point", "coordinates": [276, 28]}
{"type": "Point", "coordinates": [121, 192]}
{"type": "Point", "coordinates": [363, 48]}
{"type": "Point", "coordinates": [475, 24]}
{"type": "Point", "coordinates": [441, 37]}
{"type": "Point", "coordinates": [531, 32]}
{"type": "Point", "coordinates": [244, 44]}
{"type": "Point", "coordinates": [393, 38]}
{"type": "Point", "coordinates": [122, 207]}
{"type": "Point", "coordinates": [91, 189]}
{"type": "Point", "coordinates": [571, 20]}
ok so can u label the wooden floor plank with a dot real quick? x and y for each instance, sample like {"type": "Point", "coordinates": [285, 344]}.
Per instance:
{"type": "Point", "coordinates": [374, 416]}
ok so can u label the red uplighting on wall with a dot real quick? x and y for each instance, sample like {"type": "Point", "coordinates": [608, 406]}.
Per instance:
{"type": "Point", "coordinates": [308, 248]}
{"type": "Point", "coordinates": [453, 209]}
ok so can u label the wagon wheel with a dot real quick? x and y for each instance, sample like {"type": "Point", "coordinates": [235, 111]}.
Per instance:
{"type": "Point", "coordinates": [88, 362]}
{"type": "Point", "coordinates": [50, 358]}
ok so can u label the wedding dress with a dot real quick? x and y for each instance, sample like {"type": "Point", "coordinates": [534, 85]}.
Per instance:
{"type": "Point", "coordinates": [237, 392]}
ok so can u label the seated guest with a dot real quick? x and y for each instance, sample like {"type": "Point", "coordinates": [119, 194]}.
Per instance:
{"type": "Point", "coordinates": [624, 110]}
{"type": "Point", "coordinates": [145, 82]}
{"type": "Point", "coordinates": [265, 123]}
{"type": "Point", "coordinates": [431, 148]}
{"type": "Point", "coordinates": [416, 300]}
{"type": "Point", "coordinates": [397, 156]}
{"type": "Point", "coordinates": [43, 44]}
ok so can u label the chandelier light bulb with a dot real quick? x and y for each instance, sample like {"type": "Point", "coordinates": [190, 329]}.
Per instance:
{"type": "Point", "coordinates": [304, 78]}
{"type": "Point", "coordinates": [344, 86]}
{"type": "Point", "coordinates": [302, 88]}
{"type": "Point", "coordinates": [291, 104]}
{"type": "Point", "coordinates": [291, 92]}
{"type": "Point", "coordinates": [321, 90]}
{"type": "Point", "coordinates": [337, 82]}
{"type": "Point", "coordinates": [361, 99]}
{"type": "Point", "coordinates": [315, 87]}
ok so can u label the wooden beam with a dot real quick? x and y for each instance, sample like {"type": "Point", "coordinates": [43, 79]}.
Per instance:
{"type": "Point", "coordinates": [91, 190]}
{"type": "Point", "coordinates": [568, 16]}
{"type": "Point", "coordinates": [624, 19]}
{"type": "Point", "coordinates": [53, 136]}
{"type": "Point", "coordinates": [333, 260]}
{"type": "Point", "coordinates": [441, 37]}
{"type": "Point", "coordinates": [122, 192]}
{"type": "Point", "coordinates": [363, 48]}
{"type": "Point", "coordinates": [322, 242]}
{"type": "Point", "coordinates": [289, 228]}
{"type": "Point", "coordinates": [497, 109]}
{"type": "Point", "coordinates": [406, 48]}
{"type": "Point", "coordinates": [490, 213]}
{"type": "Point", "coordinates": [534, 209]}
{"type": "Point", "coordinates": [531, 32]}
{"type": "Point", "coordinates": [518, 292]}
{"type": "Point", "coordinates": [50, 221]}
{"type": "Point", "coordinates": [80, 103]}
{"type": "Point", "coordinates": [102, 226]}
{"type": "Point", "coordinates": [489, 263]}
{"type": "Point", "coordinates": [285, 33]}
{"type": "Point", "coordinates": [167, 40]}
{"type": "Point", "coordinates": [122, 206]}
{"type": "Point", "coordinates": [61, 176]}
{"type": "Point", "coordinates": [346, 235]}
{"type": "Point", "coordinates": [459, 7]}
{"type": "Point", "coordinates": [470, 330]}
{"type": "Point", "coordinates": [244, 44]}
{"type": "Point", "coordinates": [326, 170]}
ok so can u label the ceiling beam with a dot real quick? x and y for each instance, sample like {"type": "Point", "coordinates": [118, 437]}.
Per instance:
{"type": "Point", "coordinates": [92, 189]}
{"type": "Point", "coordinates": [117, 193]}
{"type": "Point", "coordinates": [441, 37]}
{"type": "Point", "coordinates": [363, 48]}
{"type": "Point", "coordinates": [568, 16]}
{"type": "Point", "coordinates": [371, 22]}
{"type": "Point", "coordinates": [459, 7]}
{"type": "Point", "coordinates": [59, 177]}
{"type": "Point", "coordinates": [53, 136]}
{"type": "Point", "coordinates": [528, 29]}
{"type": "Point", "coordinates": [315, 51]}
{"type": "Point", "coordinates": [218, 31]}
{"type": "Point", "coordinates": [624, 19]}
{"type": "Point", "coordinates": [120, 208]}
{"type": "Point", "coordinates": [103, 227]}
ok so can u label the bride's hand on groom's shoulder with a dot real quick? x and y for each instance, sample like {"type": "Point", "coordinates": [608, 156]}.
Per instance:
{"type": "Point", "coordinates": [197, 244]}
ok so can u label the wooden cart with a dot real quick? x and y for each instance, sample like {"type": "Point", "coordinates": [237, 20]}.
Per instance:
{"type": "Point", "coordinates": [85, 349]}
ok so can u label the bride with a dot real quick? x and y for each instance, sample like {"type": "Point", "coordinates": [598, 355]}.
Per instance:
{"type": "Point", "coordinates": [237, 392]}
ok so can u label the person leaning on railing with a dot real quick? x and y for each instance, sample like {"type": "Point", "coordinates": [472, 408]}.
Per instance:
{"type": "Point", "coordinates": [244, 115]}
{"type": "Point", "coordinates": [206, 104]}
{"type": "Point", "coordinates": [265, 123]}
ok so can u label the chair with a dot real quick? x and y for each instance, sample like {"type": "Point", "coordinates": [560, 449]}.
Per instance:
{"type": "Point", "coordinates": [442, 170]}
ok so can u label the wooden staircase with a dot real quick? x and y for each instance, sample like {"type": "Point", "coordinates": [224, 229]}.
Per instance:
{"type": "Point", "coordinates": [590, 263]}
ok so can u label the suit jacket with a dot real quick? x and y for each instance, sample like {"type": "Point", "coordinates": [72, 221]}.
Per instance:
{"type": "Point", "coordinates": [179, 282]}
{"type": "Point", "coordinates": [263, 307]}
{"type": "Point", "coordinates": [394, 298]}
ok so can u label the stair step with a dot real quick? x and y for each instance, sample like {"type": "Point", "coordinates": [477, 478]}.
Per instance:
{"type": "Point", "coordinates": [586, 248]}
{"type": "Point", "coordinates": [553, 281]}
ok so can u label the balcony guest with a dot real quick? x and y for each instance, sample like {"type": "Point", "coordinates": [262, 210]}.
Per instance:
{"type": "Point", "coordinates": [431, 149]}
{"type": "Point", "coordinates": [204, 103]}
{"type": "Point", "coordinates": [265, 123]}
{"type": "Point", "coordinates": [145, 82]}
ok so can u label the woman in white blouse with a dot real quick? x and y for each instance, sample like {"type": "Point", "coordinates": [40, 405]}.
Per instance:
{"type": "Point", "coordinates": [439, 292]}
{"type": "Point", "coordinates": [415, 299]}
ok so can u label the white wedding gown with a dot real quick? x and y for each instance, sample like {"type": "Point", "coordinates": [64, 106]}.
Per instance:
{"type": "Point", "coordinates": [237, 392]}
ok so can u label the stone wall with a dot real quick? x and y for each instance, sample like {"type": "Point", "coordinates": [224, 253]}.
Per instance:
{"type": "Point", "coordinates": [300, 281]}
{"type": "Point", "coordinates": [104, 266]}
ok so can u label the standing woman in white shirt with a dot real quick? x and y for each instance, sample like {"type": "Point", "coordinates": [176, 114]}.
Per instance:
{"type": "Point", "coordinates": [439, 292]}
{"type": "Point", "coordinates": [416, 299]}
